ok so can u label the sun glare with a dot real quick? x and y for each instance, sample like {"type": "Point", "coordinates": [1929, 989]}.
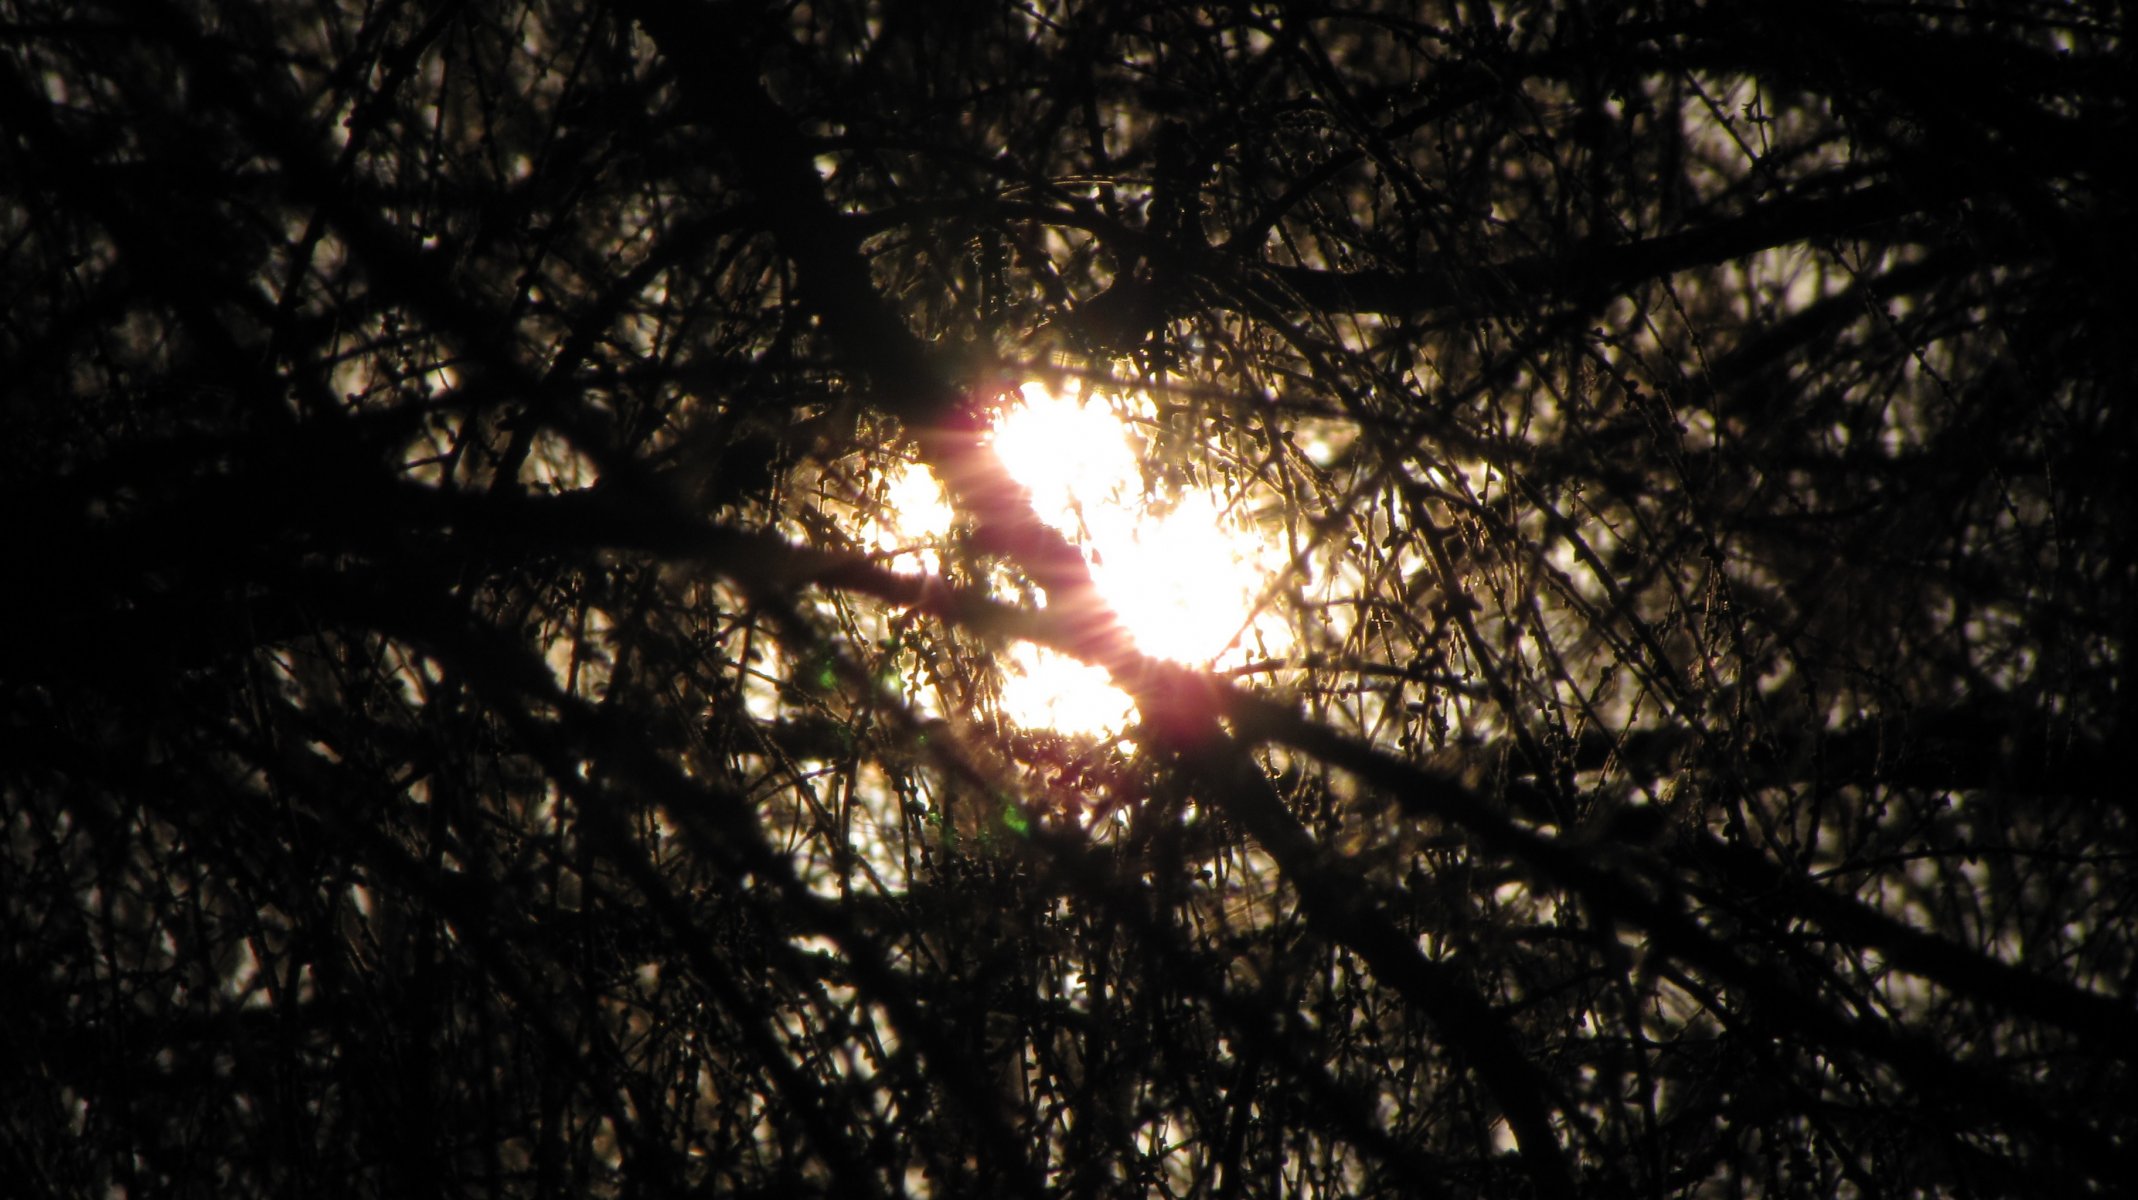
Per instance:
{"type": "Point", "coordinates": [1181, 571]}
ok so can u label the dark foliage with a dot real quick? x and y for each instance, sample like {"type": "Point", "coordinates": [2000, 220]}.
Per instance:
{"type": "Point", "coordinates": [461, 736]}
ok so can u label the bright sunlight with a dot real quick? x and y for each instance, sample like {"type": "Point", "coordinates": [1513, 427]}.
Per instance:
{"type": "Point", "coordinates": [1184, 571]}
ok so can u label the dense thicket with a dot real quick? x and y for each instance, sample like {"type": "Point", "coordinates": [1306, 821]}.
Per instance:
{"type": "Point", "coordinates": [463, 736]}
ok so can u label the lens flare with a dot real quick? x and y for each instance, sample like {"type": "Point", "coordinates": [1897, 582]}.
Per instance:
{"type": "Point", "coordinates": [1178, 566]}
{"type": "Point", "coordinates": [1181, 570]}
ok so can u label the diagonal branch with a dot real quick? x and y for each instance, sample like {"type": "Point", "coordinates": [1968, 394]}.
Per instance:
{"type": "Point", "coordinates": [1596, 270]}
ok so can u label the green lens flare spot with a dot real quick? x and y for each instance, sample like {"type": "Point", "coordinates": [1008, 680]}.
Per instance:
{"type": "Point", "coordinates": [1014, 820]}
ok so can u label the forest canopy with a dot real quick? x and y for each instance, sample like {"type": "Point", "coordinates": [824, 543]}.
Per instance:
{"type": "Point", "coordinates": [1076, 598]}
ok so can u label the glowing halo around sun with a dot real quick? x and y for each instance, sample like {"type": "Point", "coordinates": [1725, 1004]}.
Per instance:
{"type": "Point", "coordinates": [1180, 570]}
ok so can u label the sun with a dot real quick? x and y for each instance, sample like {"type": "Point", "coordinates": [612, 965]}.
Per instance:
{"type": "Point", "coordinates": [1181, 567]}
{"type": "Point", "coordinates": [1184, 571]}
